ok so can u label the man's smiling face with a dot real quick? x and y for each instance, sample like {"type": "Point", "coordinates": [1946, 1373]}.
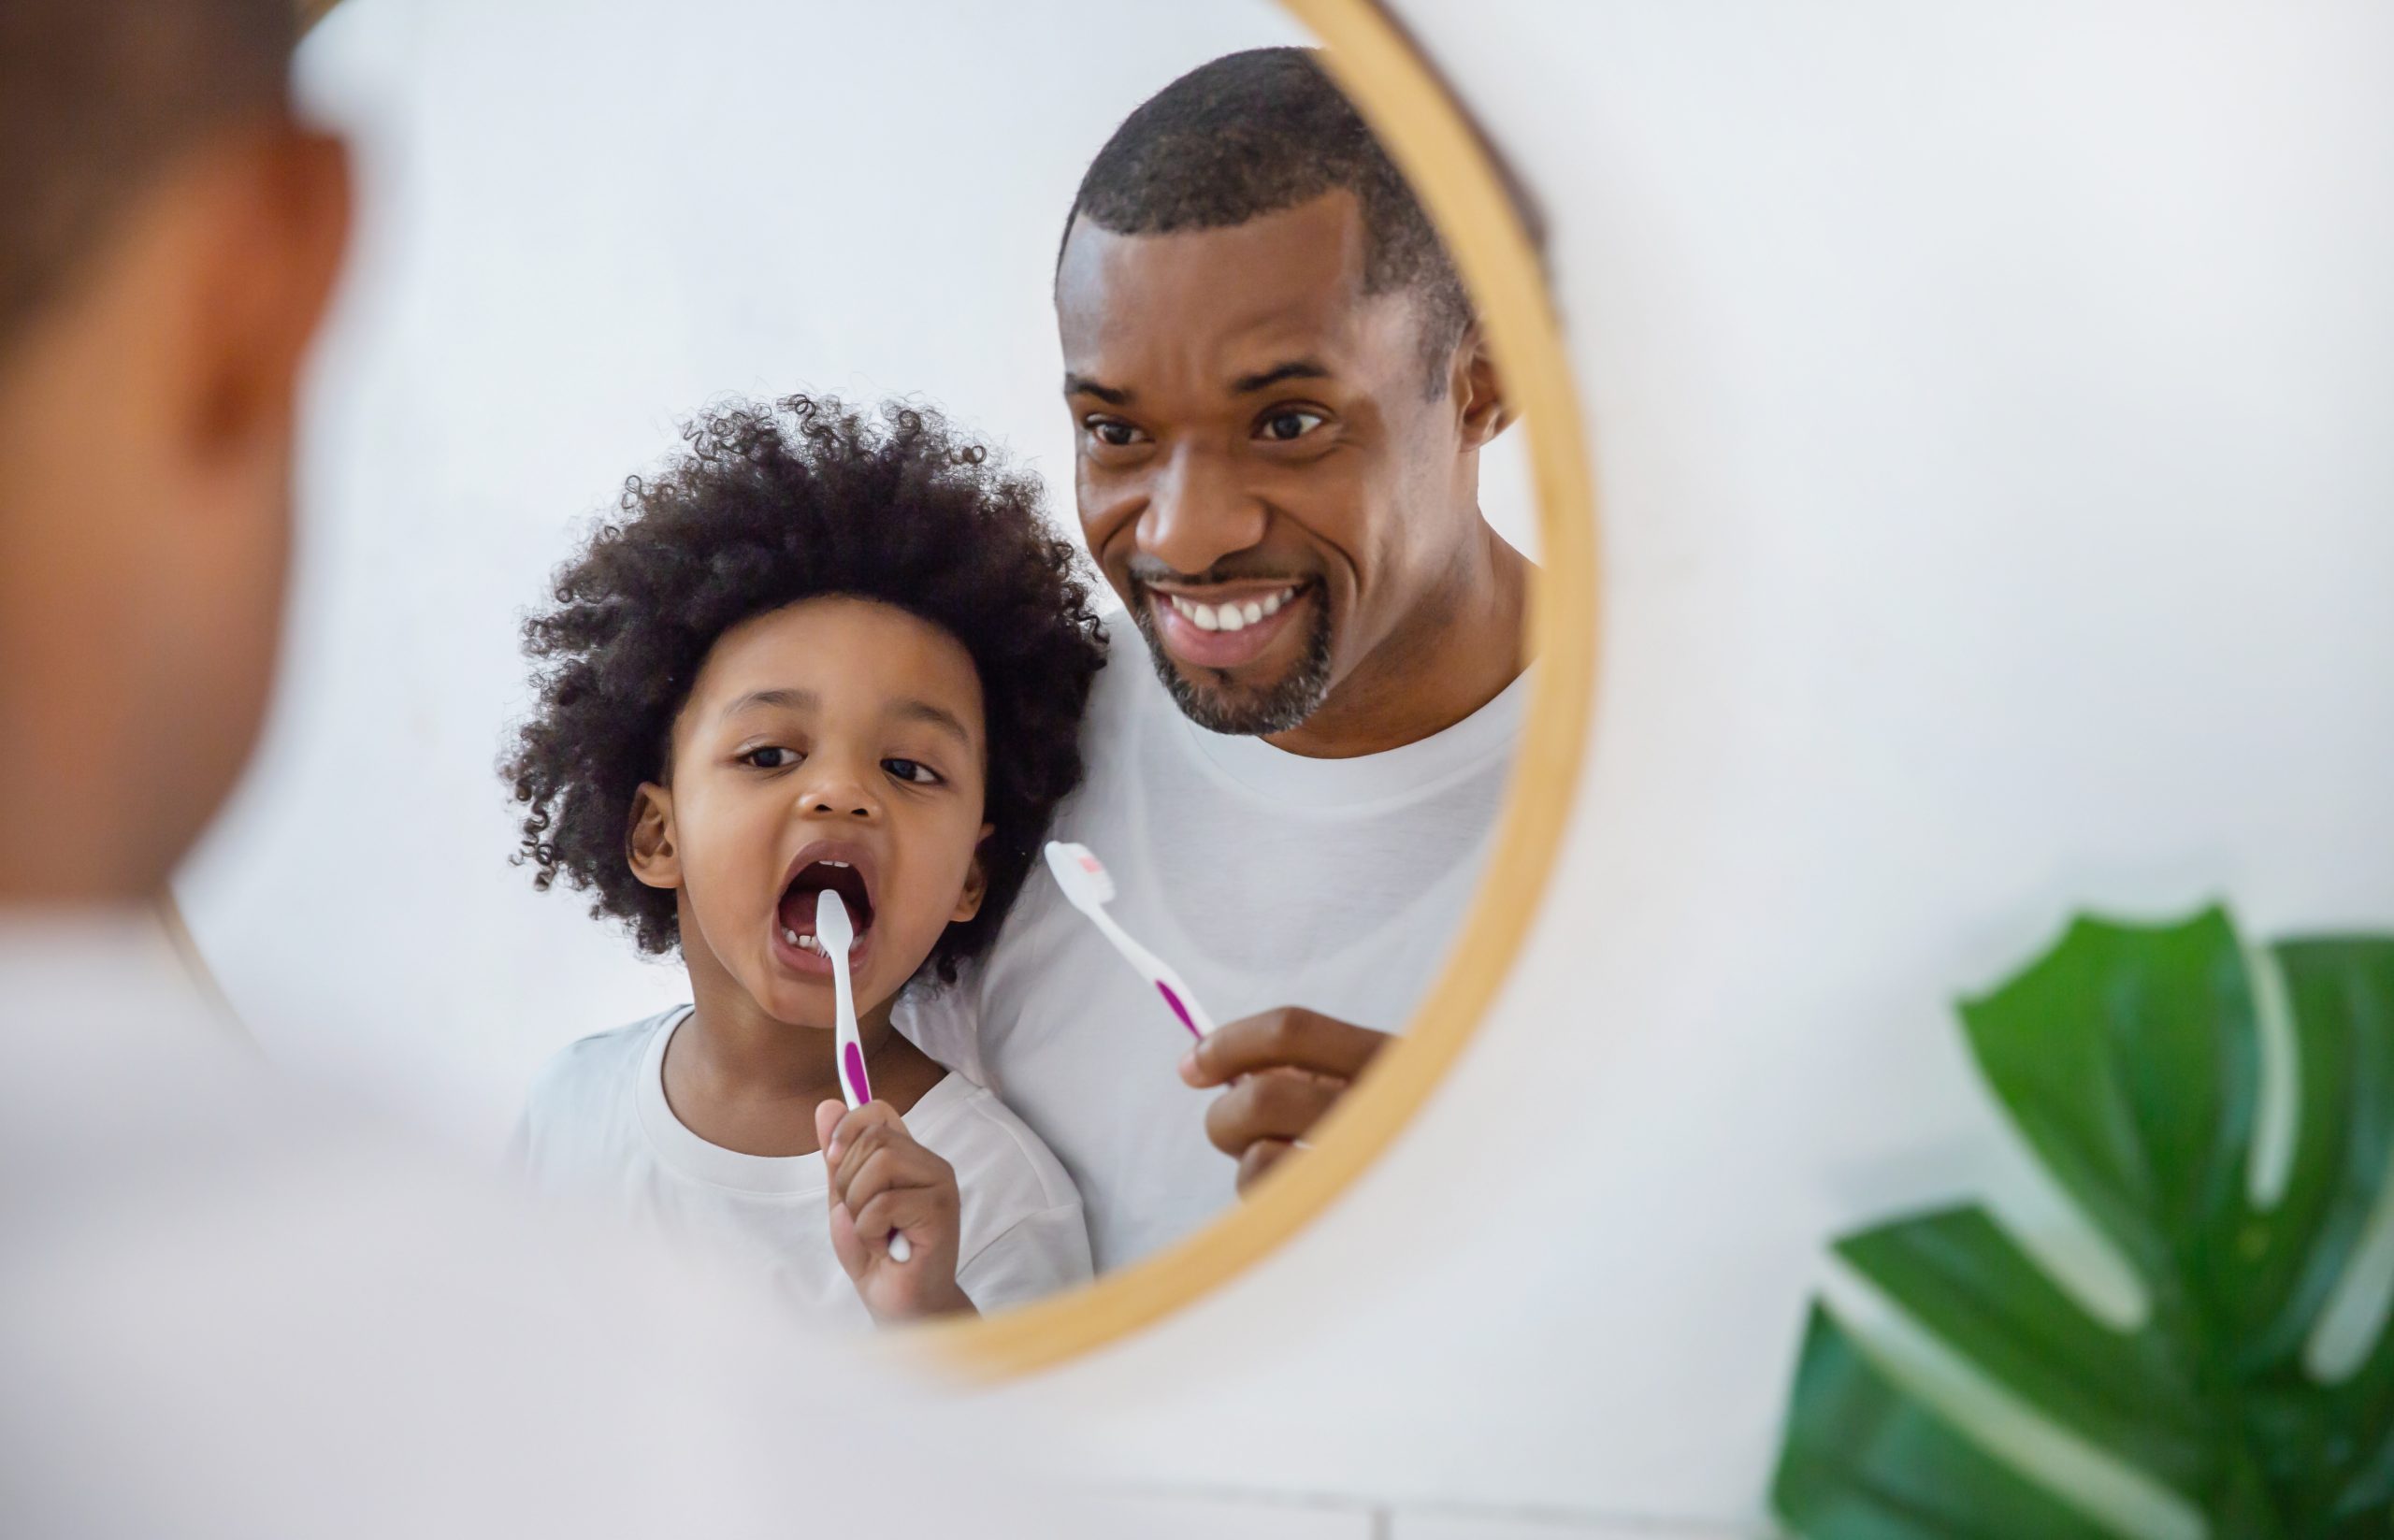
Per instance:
{"type": "Point", "coordinates": [1266, 472]}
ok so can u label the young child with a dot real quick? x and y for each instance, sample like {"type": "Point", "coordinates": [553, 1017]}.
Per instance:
{"type": "Point", "coordinates": [814, 653]}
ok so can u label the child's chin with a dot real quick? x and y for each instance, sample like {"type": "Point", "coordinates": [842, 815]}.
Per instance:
{"type": "Point", "coordinates": [801, 1006]}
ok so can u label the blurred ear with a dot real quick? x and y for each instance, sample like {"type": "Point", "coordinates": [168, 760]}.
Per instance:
{"type": "Point", "coordinates": [977, 880]}
{"type": "Point", "coordinates": [1482, 410]}
{"type": "Point", "coordinates": [649, 845]}
{"type": "Point", "coordinates": [262, 278]}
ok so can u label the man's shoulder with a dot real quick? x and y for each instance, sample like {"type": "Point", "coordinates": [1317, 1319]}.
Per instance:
{"type": "Point", "coordinates": [973, 1127]}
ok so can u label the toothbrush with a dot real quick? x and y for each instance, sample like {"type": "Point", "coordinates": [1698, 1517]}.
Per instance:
{"type": "Point", "coordinates": [1085, 883]}
{"type": "Point", "coordinates": [832, 930]}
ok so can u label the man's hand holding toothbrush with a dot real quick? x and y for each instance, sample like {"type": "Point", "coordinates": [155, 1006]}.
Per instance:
{"type": "Point", "coordinates": [1285, 1069]}
{"type": "Point", "coordinates": [883, 1185]}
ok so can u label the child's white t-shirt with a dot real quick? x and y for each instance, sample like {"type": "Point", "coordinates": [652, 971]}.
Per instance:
{"type": "Point", "coordinates": [596, 1131]}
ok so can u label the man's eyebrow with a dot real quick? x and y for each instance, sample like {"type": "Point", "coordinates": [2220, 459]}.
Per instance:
{"type": "Point", "coordinates": [910, 710]}
{"type": "Point", "coordinates": [1300, 368]}
{"type": "Point", "coordinates": [1081, 384]}
{"type": "Point", "coordinates": [792, 700]}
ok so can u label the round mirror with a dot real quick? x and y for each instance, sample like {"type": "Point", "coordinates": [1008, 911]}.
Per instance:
{"type": "Point", "coordinates": [904, 438]}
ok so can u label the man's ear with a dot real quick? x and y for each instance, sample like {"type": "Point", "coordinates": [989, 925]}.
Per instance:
{"type": "Point", "coordinates": [649, 845]}
{"type": "Point", "coordinates": [977, 880]}
{"type": "Point", "coordinates": [1482, 410]}
{"type": "Point", "coordinates": [283, 196]}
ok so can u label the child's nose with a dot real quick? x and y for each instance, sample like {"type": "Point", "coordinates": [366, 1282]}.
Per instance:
{"type": "Point", "coordinates": [840, 794]}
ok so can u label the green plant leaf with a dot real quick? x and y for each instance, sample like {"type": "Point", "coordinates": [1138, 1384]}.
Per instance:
{"type": "Point", "coordinates": [1864, 1461]}
{"type": "Point", "coordinates": [2129, 1057]}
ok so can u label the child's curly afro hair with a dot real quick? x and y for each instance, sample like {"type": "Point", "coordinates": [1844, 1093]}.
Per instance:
{"type": "Point", "coordinates": [767, 507]}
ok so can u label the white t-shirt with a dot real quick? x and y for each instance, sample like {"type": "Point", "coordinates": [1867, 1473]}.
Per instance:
{"type": "Point", "coordinates": [231, 1306]}
{"type": "Point", "coordinates": [599, 1131]}
{"type": "Point", "coordinates": [1264, 877]}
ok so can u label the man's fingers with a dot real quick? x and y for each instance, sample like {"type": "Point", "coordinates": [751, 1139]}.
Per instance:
{"type": "Point", "coordinates": [1269, 1104]}
{"type": "Point", "coordinates": [1260, 1157]}
{"type": "Point", "coordinates": [1291, 1037]}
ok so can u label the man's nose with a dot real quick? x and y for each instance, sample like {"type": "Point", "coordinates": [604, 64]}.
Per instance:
{"type": "Point", "coordinates": [1198, 511]}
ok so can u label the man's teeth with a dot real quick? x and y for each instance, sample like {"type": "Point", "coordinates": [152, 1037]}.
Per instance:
{"type": "Point", "coordinates": [1231, 618]}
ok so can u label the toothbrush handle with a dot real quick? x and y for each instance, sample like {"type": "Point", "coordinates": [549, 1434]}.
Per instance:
{"type": "Point", "coordinates": [1176, 994]}
{"type": "Point", "coordinates": [856, 1087]}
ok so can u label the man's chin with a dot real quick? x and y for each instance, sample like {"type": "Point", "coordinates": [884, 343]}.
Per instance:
{"type": "Point", "coordinates": [1224, 702]}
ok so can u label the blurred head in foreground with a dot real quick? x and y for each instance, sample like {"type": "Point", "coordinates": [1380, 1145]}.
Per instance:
{"type": "Point", "coordinates": [171, 237]}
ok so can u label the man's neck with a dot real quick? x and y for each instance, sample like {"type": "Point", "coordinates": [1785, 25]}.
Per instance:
{"type": "Point", "coordinates": [1465, 644]}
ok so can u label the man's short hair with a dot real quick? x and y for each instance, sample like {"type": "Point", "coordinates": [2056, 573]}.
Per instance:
{"type": "Point", "coordinates": [1255, 133]}
{"type": "Point", "coordinates": [96, 97]}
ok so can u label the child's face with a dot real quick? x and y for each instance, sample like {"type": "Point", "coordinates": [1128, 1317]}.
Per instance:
{"type": "Point", "coordinates": [836, 730]}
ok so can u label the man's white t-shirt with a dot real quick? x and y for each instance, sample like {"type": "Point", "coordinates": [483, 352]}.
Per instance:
{"type": "Point", "coordinates": [1264, 877]}
{"type": "Point", "coordinates": [598, 1131]}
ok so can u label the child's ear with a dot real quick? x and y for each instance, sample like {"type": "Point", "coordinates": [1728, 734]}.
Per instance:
{"type": "Point", "coordinates": [648, 843]}
{"type": "Point", "coordinates": [977, 881]}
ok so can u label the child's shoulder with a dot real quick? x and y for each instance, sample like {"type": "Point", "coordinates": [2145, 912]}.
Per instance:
{"type": "Point", "coordinates": [602, 1057]}
{"type": "Point", "coordinates": [967, 1125]}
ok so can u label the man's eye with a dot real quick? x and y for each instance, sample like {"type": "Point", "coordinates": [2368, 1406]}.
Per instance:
{"type": "Point", "coordinates": [1291, 422]}
{"type": "Point", "coordinates": [1112, 432]}
{"type": "Point", "coordinates": [913, 770]}
{"type": "Point", "coordinates": [771, 757]}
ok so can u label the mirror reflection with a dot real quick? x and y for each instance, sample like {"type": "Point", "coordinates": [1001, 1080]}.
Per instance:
{"type": "Point", "coordinates": [985, 548]}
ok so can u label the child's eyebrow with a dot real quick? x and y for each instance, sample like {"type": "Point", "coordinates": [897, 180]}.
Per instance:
{"type": "Point", "coordinates": [804, 700]}
{"type": "Point", "coordinates": [935, 716]}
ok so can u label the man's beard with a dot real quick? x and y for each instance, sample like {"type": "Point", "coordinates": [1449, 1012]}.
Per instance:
{"type": "Point", "coordinates": [1283, 707]}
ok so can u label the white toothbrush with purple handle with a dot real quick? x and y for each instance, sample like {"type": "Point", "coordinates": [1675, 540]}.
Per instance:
{"type": "Point", "coordinates": [832, 930]}
{"type": "Point", "coordinates": [1085, 883]}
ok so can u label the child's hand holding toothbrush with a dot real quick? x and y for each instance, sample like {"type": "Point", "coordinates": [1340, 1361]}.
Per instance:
{"type": "Point", "coordinates": [882, 1182]}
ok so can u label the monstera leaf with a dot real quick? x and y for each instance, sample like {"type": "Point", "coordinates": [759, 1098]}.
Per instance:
{"type": "Point", "coordinates": [2130, 1059]}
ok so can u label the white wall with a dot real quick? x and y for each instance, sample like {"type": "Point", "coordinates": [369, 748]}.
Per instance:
{"type": "Point", "coordinates": [1993, 407]}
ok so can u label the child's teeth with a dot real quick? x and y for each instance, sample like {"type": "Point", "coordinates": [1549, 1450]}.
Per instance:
{"type": "Point", "coordinates": [789, 935]}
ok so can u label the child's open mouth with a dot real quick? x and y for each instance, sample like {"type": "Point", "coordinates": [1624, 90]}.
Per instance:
{"type": "Point", "coordinates": [832, 866]}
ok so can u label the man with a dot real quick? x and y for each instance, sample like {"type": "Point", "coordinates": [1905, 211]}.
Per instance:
{"type": "Point", "coordinates": [226, 1308]}
{"type": "Point", "coordinates": [1279, 393]}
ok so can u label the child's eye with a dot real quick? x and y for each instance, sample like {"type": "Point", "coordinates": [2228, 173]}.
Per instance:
{"type": "Point", "coordinates": [913, 770]}
{"type": "Point", "coordinates": [1290, 423]}
{"type": "Point", "coordinates": [771, 757]}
